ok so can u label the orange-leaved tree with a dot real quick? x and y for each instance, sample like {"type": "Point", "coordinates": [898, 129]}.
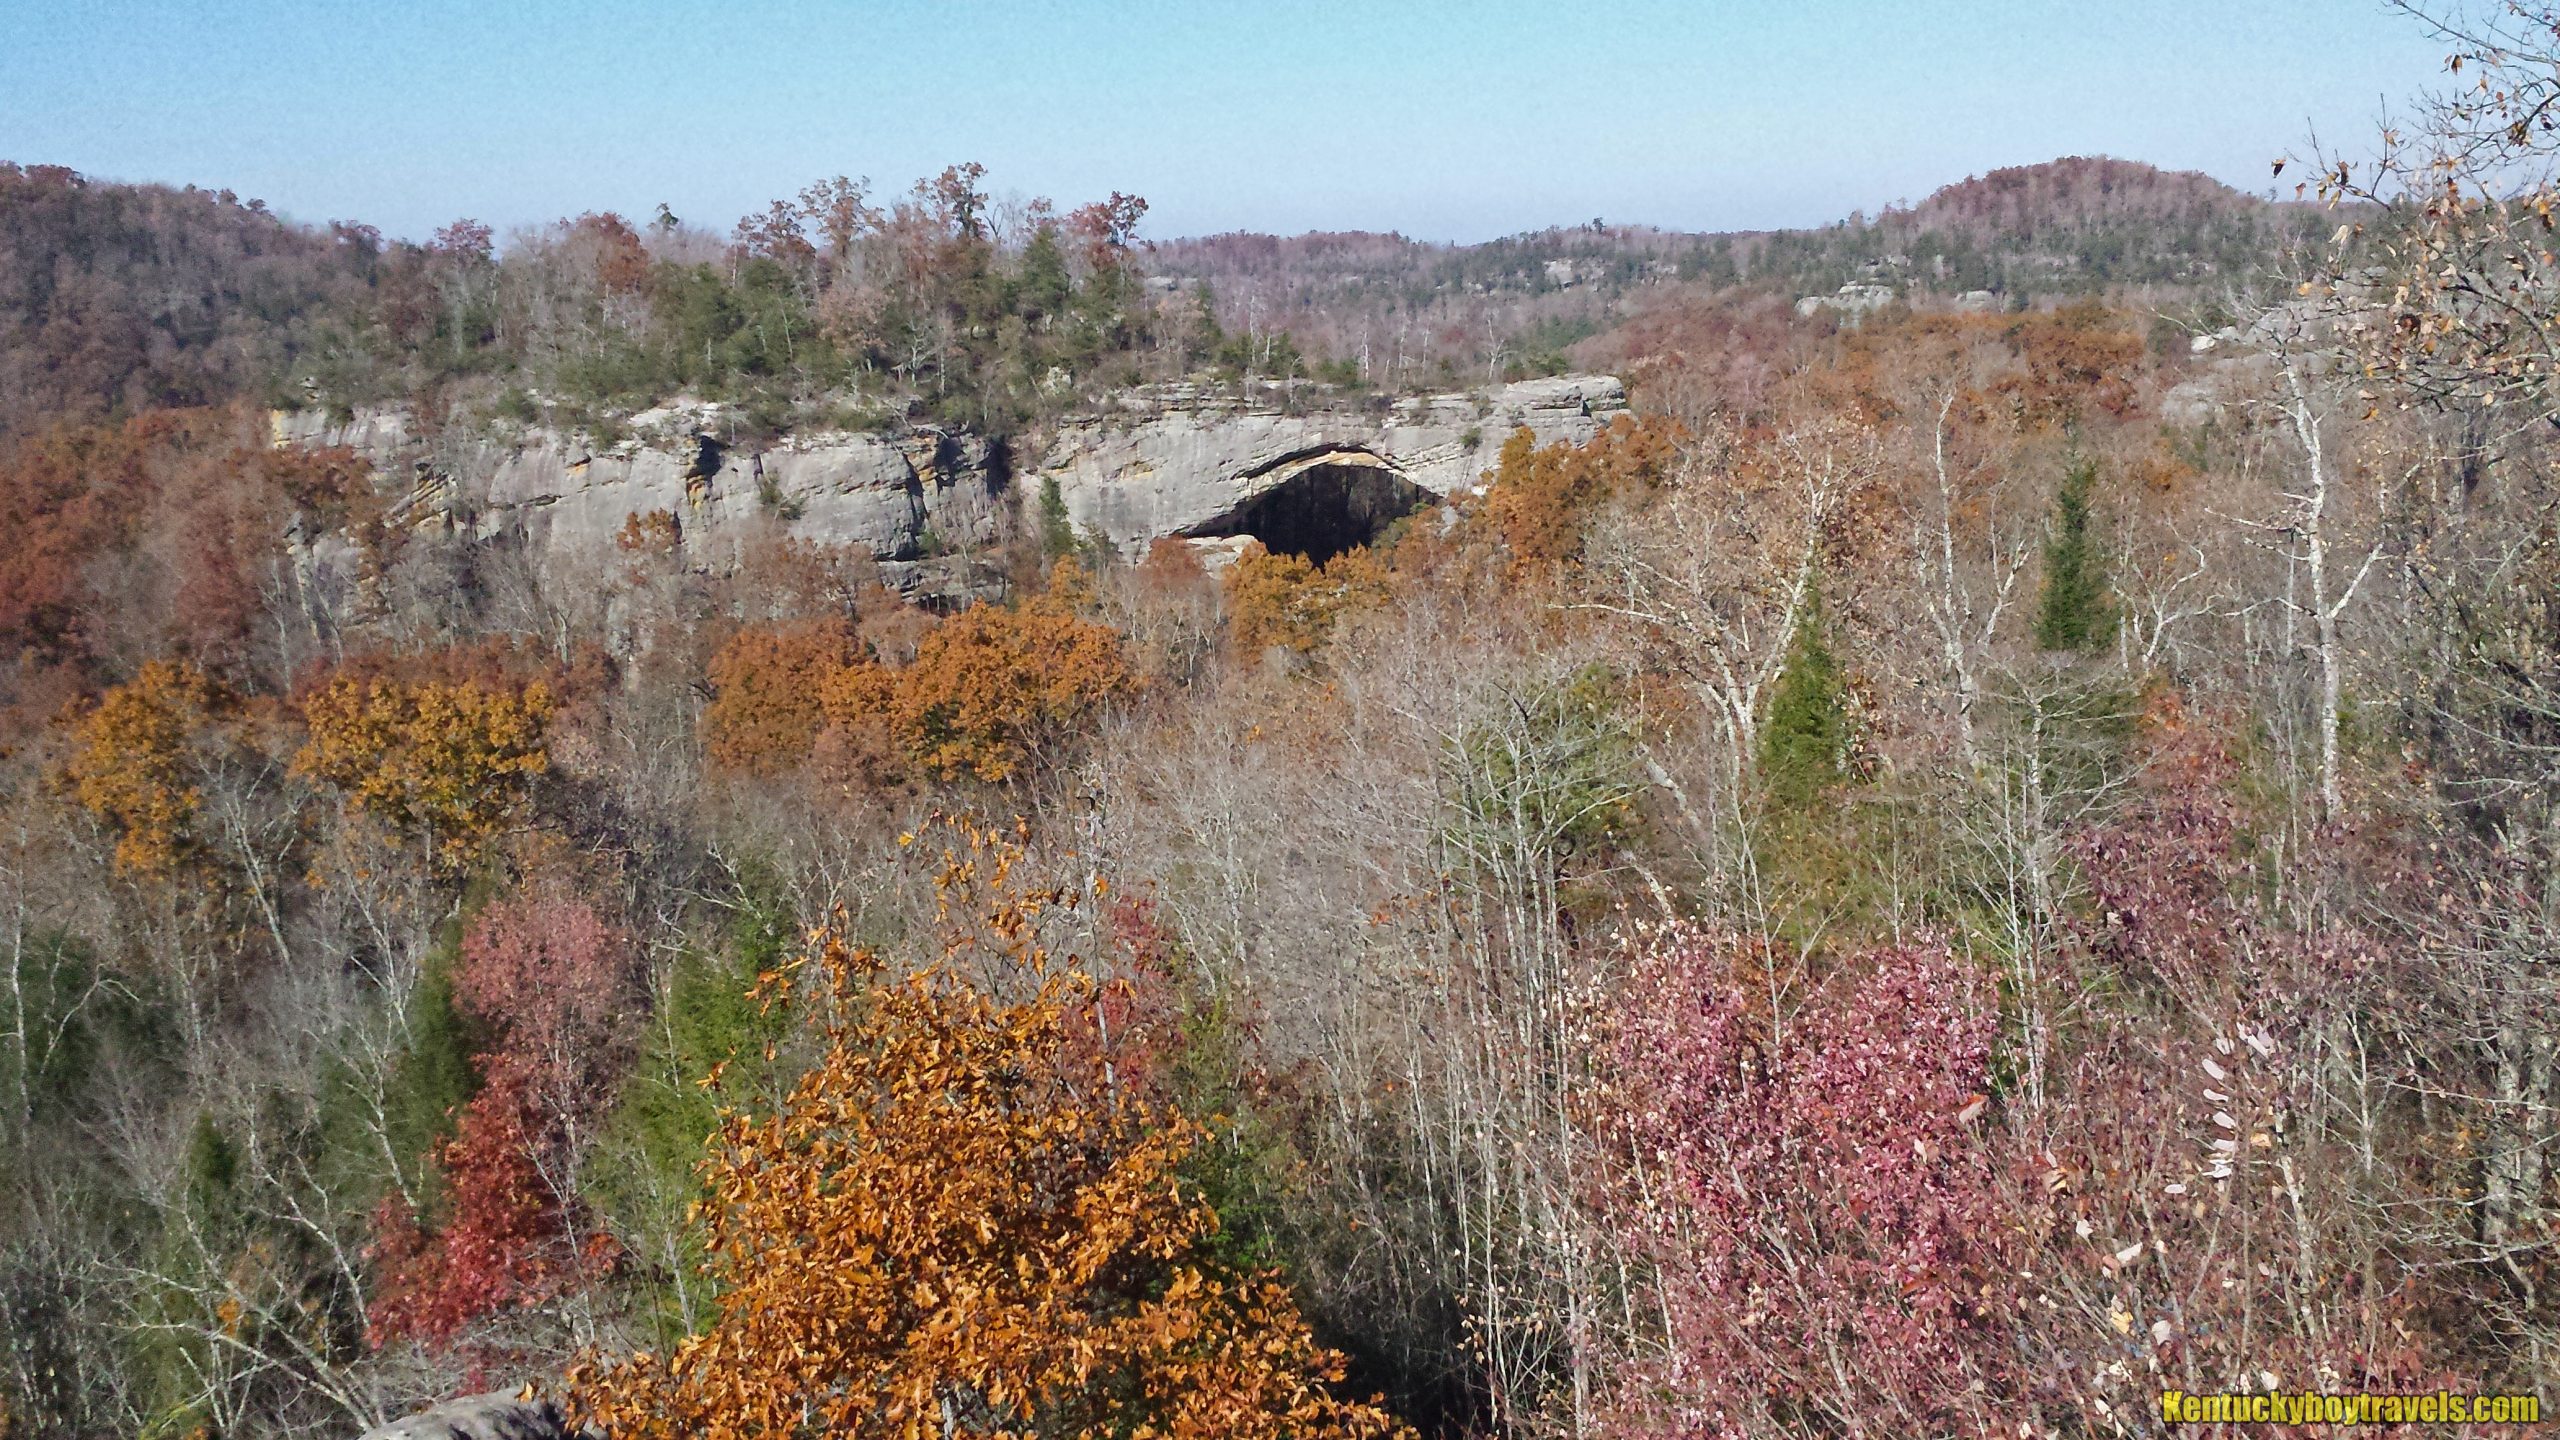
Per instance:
{"type": "Point", "coordinates": [966, 1220]}
{"type": "Point", "coordinates": [130, 764]}
{"type": "Point", "coordinates": [448, 763]}
{"type": "Point", "coordinates": [990, 687]}
{"type": "Point", "coordinates": [1542, 498]}
{"type": "Point", "coordinates": [1290, 601]}
{"type": "Point", "coordinates": [764, 712]}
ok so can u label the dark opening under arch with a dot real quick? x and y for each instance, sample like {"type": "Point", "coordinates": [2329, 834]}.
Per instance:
{"type": "Point", "coordinates": [1324, 509]}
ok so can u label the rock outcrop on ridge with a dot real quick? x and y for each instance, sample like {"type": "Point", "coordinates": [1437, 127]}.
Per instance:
{"type": "Point", "coordinates": [1182, 461]}
{"type": "Point", "coordinates": [1167, 461]}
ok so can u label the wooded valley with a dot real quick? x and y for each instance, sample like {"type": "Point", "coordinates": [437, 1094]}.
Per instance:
{"type": "Point", "coordinates": [1988, 849]}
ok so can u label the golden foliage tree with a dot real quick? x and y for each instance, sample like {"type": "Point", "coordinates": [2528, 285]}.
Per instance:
{"type": "Point", "coordinates": [989, 688]}
{"type": "Point", "coordinates": [129, 764]}
{"type": "Point", "coordinates": [765, 712]}
{"type": "Point", "coordinates": [1289, 601]}
{"type": "Point", "coordinates": [1542, 498]}
{"type": "Point", "coordinates": [448, 762]}
{"type": "Point", "coordinates": [966, 1220]}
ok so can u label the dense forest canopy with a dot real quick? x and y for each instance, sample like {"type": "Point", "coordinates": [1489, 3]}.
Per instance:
{"type": "Point", "coordinates": [837, 306]}
{"type": "Point", "coordinates": [1975, 858]}
{"type": "Point", "coordinates": [126, 297]}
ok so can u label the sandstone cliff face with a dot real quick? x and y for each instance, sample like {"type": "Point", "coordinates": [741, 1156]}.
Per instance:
{"type": "Point", "coordinates": [1182, 461]}
{"type": "Point", "coordinates": [903, 497]}
{"type": "Point", "coordinates": [1171, 461]}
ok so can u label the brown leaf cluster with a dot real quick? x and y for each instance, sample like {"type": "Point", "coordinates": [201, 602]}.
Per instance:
{"type": "Point", "coordinates": [764, 713]}
{"type": "Point", "coordinates": [1542, 498]}
{"type": "Point", "coordinates": [1292, 602]}
{"type": "Point", "coordinates": [987, 691]}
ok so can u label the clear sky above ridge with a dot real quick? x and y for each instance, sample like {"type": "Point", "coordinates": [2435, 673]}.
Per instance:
{"type": "Point", "coordinates": [1442, 120]}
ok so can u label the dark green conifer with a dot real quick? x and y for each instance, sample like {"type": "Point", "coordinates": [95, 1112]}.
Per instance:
{"type": "Point", "coordinates": [1043, 287]}
{"type": "Point", "coordinates": [433, 1077]}
{"type": "Point", "coordinates": [2074, 610]}
{"type": "Point", "coordinates": [1805, 741]}
{"type": "Point", "coordinates": [1057, 528]}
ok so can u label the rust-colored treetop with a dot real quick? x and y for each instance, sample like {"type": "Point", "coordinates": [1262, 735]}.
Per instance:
{"type": "Point", "coordinates": [1290, 601]}
{"type": "Point", "coordinates": [966, 1220]}
{"type": "Point", "coordinates": [990, 688]}
{"type": "Point", "coordinates": [1541, 498]}
{"type": "Point", "coordinates": [992, 685]}
{"type": "Point", "coordinates": [764, 713]}
{"type": "Point", "coordinates": [986, 692]}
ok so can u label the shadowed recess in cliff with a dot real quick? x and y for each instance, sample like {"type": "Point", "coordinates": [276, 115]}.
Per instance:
{"type": "Point", "coordinates": [1324, 505]}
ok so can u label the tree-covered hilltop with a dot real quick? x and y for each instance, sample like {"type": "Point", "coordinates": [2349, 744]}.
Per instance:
{"type": "Point", "coordinates": [127, 297]}
{"type": "Point", "coordinates": [839, 306]}
{"type": "Point", "coordinates": [827, 307]}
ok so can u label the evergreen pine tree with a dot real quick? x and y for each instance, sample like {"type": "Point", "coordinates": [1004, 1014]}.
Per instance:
{"type": "Point", "coordinates": [1057, 527]}
{"type": "Point", "coordinates": [1804, 742]}
{"type": "Point", "coordinates": [1042, 287]}
{"type": "Point", "coordinates": [2073, 610]}
{"type": "Point", "coordinates": [433, 1077]}
{"type": "Point", "coordinates": [642, 1173]}
{"type": "Point", "coordinates": [1203, 337]}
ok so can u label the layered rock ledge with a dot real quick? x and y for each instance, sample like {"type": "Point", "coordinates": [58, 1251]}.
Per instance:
{"type": "Point", "coordinates": [1179, 461]}
{"type": "Point", "coordinates": [1165, 461]}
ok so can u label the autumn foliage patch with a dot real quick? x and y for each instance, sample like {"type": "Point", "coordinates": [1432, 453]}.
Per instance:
{"type": "Point", "coordinates": [988, 690]}
{"type": "Point", "coordinates": [549, 979]}
{"type": "Point", "coordinates": [447, 763]}
{"type": "Point", "coordinates": [967, 1219]}
{"type": "Point", "coordinates": [765, 711]}
{"type": "Point", "coordinates": [1292, 602]}
{"type": "Point", "coordinates": [129, 766]}
{"type": "Point", "coordinates": [1815, 1188]}
{"type": "Point", "coordinates": [1542, 497]}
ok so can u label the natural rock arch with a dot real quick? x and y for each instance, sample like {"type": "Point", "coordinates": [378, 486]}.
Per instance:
{"type": "Point", "coordinates": [1189, 461]}
{"type": "Point", "coordinates": [1319, 504]}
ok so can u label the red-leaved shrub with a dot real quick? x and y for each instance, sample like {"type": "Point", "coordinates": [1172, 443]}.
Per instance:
{"type": "Point", "coordinates": [549, 979]}
{"type": "Point", "coordinates": [1815, 1191]}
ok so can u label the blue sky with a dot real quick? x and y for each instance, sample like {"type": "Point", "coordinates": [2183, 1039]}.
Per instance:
{"type": "Point", "coordinates": [1443, 120]}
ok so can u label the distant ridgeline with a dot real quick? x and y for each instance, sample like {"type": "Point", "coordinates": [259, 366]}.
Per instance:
{"type": "Point", "coordinates": [2067, 229]}
{"type": "Point", "coordinates": [832, 312]}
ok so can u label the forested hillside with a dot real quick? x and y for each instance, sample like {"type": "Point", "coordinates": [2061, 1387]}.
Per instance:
{"type": "Point", "coordinates": [118, 297]}
{"type": "Point", "coordinates": [1961, 866]}
{"type": "Point", "coordinates": [827, 307]}
{"type": "Point", "coordinates": [839, 306]}
{"type": "Point", "coordinates": [1394, 311]}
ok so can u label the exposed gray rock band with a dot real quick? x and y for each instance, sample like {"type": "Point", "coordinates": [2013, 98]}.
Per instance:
{"type": "Point", "coordinates": [1175, 460]}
